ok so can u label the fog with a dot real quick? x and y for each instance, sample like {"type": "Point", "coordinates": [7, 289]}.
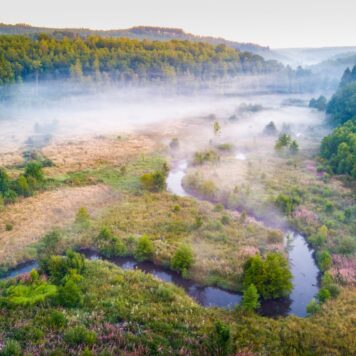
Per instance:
{"type": "Point", "coordinates": [34, 115]}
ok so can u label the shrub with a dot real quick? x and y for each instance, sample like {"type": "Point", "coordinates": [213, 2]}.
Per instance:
{"type": "Point", "coordinates": [182, 259]}
{"type": "Point", "coordinates": [154, 182]}
{"type": "Point", "coordinates": [70, 295]}
{"type": "Point", "coordinates": [275, 237]}
{"type": "Point", "coordinates": [9, 227]}
{"type": "Point", "coordinates": [205, 156]}
{"type": "Point", "coordinates": [313, 307]}
{"type": "Point", "coordinates": [270, 276]}
{"type": "Point", "coordinates": [25, 295]}
{"type": "Point", "coordinates": [82, 217]}
{"type": "Point", "coordinates": [56, 320]}
{"type": "Point", "coordinates": [324, 260]}
{"type": "Point", "coordinates": [80, 335]}
{"type": "Point", "coordinates": [144, 249]}
{"type": "Point", "coordinates": [58, 267]}
{"type": "Point", "coordinates": [34, 170]}
{"type": "Point", "coordinates": [49, 245]}
{"type": "Point", "coordinates": [22, 186]}
{"type": "Point", "coordinates": [164, 293]}
{"type": "Point", "coordinates": [110, 245]}
{"type": "Point", "coordinates": [323, 295]}
{"type": "Point", "coordinates": [11, 348]}
{"type": "Point", "coordinates": [288, 202]}
{"type": "Point", "coordinates": [221, 338]}
{"type": "Point", "coordinates": [250, 299]}
{"type": "Point", "coordinates": [347, 245]}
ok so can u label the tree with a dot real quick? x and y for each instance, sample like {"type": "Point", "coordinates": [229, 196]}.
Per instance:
{"type": "Point", "coordinates": [294, 147]}
{"type": "Point", "coordinates": [284, 140]}
{"type": "Point", "coordinates": [271, 276]}
{"type": "Point", "coordinates": [270, 129]}
{"type": "Point", "coordinates": [250, 299]}
{"type": "Point", "coordinates": [182, 259]}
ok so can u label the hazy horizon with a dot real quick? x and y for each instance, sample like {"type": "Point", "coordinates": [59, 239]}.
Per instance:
{"type": "Point", "coordinates": [277, 23]}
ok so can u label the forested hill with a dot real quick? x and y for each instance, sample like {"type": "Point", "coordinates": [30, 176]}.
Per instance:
{"type": "Point", "coordinates": [139, 32]}
{"type": "Point", "coordinates": [45, 57]}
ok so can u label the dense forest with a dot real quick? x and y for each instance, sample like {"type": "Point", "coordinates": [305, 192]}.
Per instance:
{"type": "Point", "coordinates": [339, 148]}
{"type": "Point", "coordinates": [137, 32]}
{"type": "Point", "coordinates": [23, 58]}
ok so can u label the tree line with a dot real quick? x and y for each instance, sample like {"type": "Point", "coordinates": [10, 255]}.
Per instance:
{"type": "Point", "coordinates": [339, 148]}
{"type": "Point", "coordinates": [46, 57]}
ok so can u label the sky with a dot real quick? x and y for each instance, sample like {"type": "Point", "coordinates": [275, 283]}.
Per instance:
{"type": "Point", "coordinates": [274, 23]}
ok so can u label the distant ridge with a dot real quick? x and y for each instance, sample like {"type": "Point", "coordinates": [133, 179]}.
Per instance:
{"type": "Point", "coordinates": [137, 32]}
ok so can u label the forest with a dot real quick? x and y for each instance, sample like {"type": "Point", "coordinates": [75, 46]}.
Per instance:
{"type": "Point", "coordinates": [23, 58]}
{"type": "Point", "coordinates": [339, 148]}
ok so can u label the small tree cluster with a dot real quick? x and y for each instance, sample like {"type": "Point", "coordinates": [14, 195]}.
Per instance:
{"type": "Point", "coordinates": [23, 185]}
{"type": "Point", "coordinates": [110, 245]}
{"type": "Point", "coordinates": [285, 141]}
{"type": "Point", "coordinates": [154, 182]}
{"type": "Point", "coordinates": [270, 276]}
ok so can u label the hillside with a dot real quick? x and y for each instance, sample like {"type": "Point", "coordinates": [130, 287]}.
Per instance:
{"type": "Point", "coordinates": [138, 32]}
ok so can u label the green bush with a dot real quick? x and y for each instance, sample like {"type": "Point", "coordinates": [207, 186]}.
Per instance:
{"type": "Point", "coordinates": [26, 295]}
{"type": "Point", "coordinates": [110, 245]}
{"type": "Point", "coordinates": [82, 218]}
{"type": "Point", "coordinates": [154, 182]}
{"type": "Point", "coordinates": [70, 295]}
{"type": "Point", "coordinates": [324, 260]}
{"type": "Point", "coordinates": [271, 276]}
{"type": "Point", "coordinates": [80, 335]}
{"type": "Point", "coordinates": [144, 249]}
{"type": "Point", "coordinates": [34, 170]}
{"type": "Point", "coordinates": [323, 295]}
{"type": "Point", "coordinates": [58, 267]}
{"type": "Point", "coordinates": [11, 348]}
{"type": "Point", "coordinates": [182, 259]}
{"type": "Point", "coordinates": [56, 320]}
{"type": "Point", "coordinates": [313, 307]}
{"type": "Point", "coordinates": [250, 299]}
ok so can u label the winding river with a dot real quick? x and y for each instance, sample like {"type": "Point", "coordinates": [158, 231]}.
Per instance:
{"type": "Point", "coordinates": [302, 264]}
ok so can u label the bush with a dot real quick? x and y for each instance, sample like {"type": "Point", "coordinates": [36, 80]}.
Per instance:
{"type": "Point", "coordinates": [34, 170]}
{"type": "Point", "coordinates": [80, 335]}
{"type": "Point", "coordinates": [11, 348]}
{"type": "Point", "coordinates": [70, 295]}
{"type": "Point", "coordinates": [288, 202]}
{"type": "Point", "coordinates": [58, 267]}
{"type": "Point", "coordinates": [221, 338]}
{"type": "Point", "coordinates": [25, 295]}
{"type": "Point", "coordinates": [324, 260]}
{"type": "Point", "coordinates": [182, 259]}
{"type": "Point", "coordinates": [250, 299]}
{"type": "Point", "coordinates": [154, 182]}
{"type": "Point", "coordinates": [56, 320]}
{"type": "Point", "coordinates": [205, 156]}
{"type": "Point", "coordinates": [110, 245]}
{"type": "Point", "coordinates": [9, 227]}
{"type": "Point", "coordinates": [313, 307]}
{"type": "Point", "coordinates": [22, 186]}
{"type": "Point", "coordinates": [270, 276]}
{"type": "Point", "coordinates": [347, 245]}
{"type": "Point", "coordinates": [323, 295]}
{"type": "Point", "coordinates": [275, 237]}
{"type": "Point", "coordinates": [144, 249]}
{"type": "Point", "coordinates": [82, 217]}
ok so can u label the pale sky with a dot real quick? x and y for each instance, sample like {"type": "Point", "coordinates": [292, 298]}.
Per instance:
{"type": "Point", "coordinates": [276, 23]}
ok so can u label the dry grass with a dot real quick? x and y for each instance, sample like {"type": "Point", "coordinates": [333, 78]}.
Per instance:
{"type": "Point", "coordinates": [91, 153]}
{"type": "Point", "coordinates": [34, 216]}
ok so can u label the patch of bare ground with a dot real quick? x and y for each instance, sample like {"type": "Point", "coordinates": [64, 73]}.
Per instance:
{"type": "Point", "coordinates": [89, 153]}
{"type": "Point", "coordinates": [33, 217]}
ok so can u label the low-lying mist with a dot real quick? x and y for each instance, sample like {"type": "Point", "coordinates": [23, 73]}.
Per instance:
{"type": "Point", "coordinates": [36, 115]}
